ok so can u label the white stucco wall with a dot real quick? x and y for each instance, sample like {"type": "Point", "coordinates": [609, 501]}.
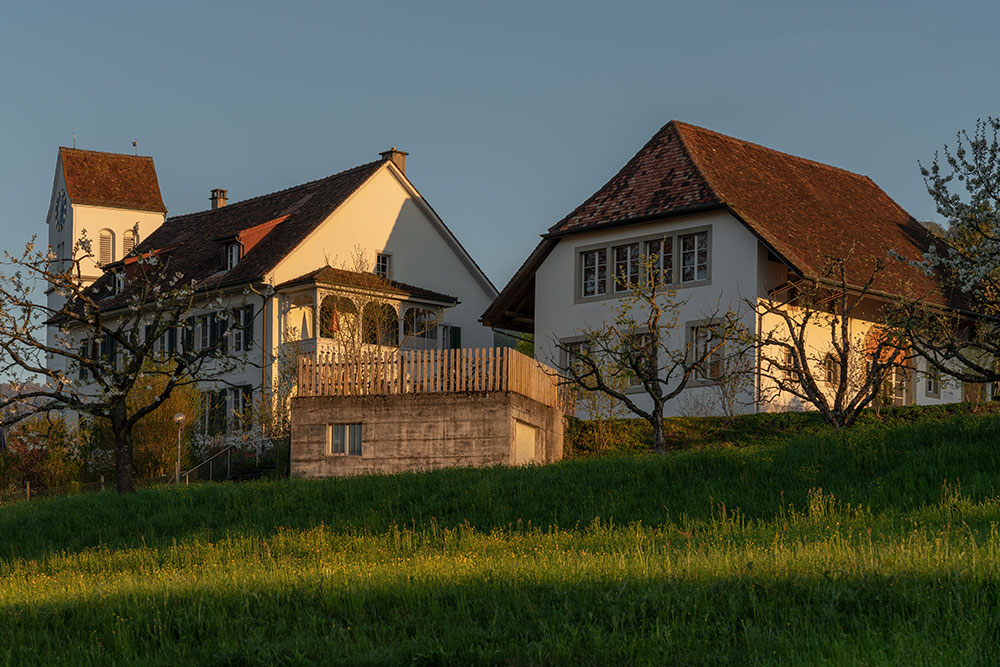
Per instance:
{"type": "Point", "coordinates": [733, 277]}
{"type": "Point", "coordinates": [385, 216]}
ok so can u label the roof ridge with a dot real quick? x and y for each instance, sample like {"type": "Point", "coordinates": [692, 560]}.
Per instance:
{"type": "Point", "coordinates": [680, 123]}
{"type": "Point", "coordinates": [278, 192]}
{"type": "Point", "coordinates": [87, 150]}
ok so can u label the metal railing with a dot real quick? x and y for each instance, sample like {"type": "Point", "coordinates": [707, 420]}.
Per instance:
{"type": "Point", "coordinates": [210, 462]}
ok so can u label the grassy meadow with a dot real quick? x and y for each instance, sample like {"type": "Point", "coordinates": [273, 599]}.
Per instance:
{"type": "Point", "coordinates": [879, 545]}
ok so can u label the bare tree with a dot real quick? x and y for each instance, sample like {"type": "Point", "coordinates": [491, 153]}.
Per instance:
{"type": "Point", "coordinates": [90, 352]}
{"type": "Point", "coordinates": [811, 345]}
{"type": "Point", "coordinates": [964, 181]}
{"type": "Point", "coordinates": [644, 345]}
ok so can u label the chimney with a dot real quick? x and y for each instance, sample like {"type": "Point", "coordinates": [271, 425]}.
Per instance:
{"type": "Point", "coordinates": [218, 198]}
{"type": "Point", "coordinates": [398, 158]}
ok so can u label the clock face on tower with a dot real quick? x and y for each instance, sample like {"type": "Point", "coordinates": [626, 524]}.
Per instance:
{"type": "Point", "coordinates": [60, 210]}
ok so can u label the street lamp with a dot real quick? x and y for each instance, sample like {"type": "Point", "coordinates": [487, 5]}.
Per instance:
{"type": "Point", "coordinates": [179, 420]}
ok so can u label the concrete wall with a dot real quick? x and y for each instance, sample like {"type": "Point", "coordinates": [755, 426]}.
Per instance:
{"type": "Point", "coordinates": [420, 432]}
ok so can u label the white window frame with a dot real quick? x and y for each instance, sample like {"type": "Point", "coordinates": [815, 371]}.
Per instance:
{"type": "Point", "coordinates": [626, 264]}
{"type": "Point", "coordinates": [694, 332]}
{"type": "Point", "coordinates": [598, 282]}
{"type": "Point", "coordinates": [234, 253]}
{"type": "Point", "coordinates": [695, 254]}
{"type": "Point", "coordinates": [383, 265]}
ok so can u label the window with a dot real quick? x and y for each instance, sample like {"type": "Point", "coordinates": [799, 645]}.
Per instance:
{"type": "Point", "coordinates": [343, 439]}
{"type": "Point", "coordinates": [661, 260]}
{"type": "Point", "coordinates": [214, 420]}
{"type": "Point", "coordinates": [574, 353]}
{"type": "Point", "coordinates": [831, 369]}
{"type": "Point", "coordinates": [206, 329]}
{"type": "Point", "coordinates": [382, 267]}
{"type": "Point", "coordinates": [337, 316]}
{"type": "Point", "coordinates": [595, 272]}
{"type": "Point", "coordinates": [790, 369]}
{"type": "Point", "coordinates": [241, 399]}
{"type": "Point", "coordinates": [106, 247]}
{"type": "Point", "coordinates": [420, 323]}
{"type": "Point", "coordinates": [706, 345]}
{"type": "Point", "coordinates": [644, 352]}
{"type": "Point", "coordinates": [451, 337]}
{"type": "Point", "coordinates": [243, 329]}
{"type": "Point", "coordinates": [118, 286]}
{"type": "Point", "coordinates": [130, 240]}
{"type": "Point", "coordinates": [933, 384]}
{"type": "Point", "coordinates": [900, 380]}
{"type": "Point", "coordinates": [626, 267]}
{"type": "Point", "coordinates": [234, 251]}
{"type": "Point", "coordinates": [694, 257]}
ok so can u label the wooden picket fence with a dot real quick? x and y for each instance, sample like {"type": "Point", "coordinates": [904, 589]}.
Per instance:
{"type": "Point", "coordinates": [428, 372]}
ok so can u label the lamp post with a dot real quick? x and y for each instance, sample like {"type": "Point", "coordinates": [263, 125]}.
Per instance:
{"type": "Point", "coordinates": [179, 420]}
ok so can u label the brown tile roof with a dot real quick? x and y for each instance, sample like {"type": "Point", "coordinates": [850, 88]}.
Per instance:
{"type": "Point", "coordinates": [802, 210]}
{"type": "Point", "coordinates": [197, 254]}
{"type": "Point", "coordinates": [111, 179]}
{"type": "Point", "coordinates": [328, 275]}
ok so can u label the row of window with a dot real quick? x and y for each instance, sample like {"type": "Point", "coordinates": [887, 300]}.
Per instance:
{"type": "Point", "coordinates": [199, 332]}
{"type": "Point", "coordinates": [679, 259]}
{"type": "Point", "coordinates": [106, 245]}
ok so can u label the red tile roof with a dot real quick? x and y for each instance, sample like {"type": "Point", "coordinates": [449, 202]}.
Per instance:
{"type": "Point", "coordinates": [198, 253]}
{"type": "Point", "coordinates": [328, 275]}
{"type": "Point", "coordinates": [111, 179]}
{"type": "Point", "coordinates": [804, 211]}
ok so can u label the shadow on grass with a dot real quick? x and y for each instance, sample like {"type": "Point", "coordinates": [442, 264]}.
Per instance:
{"type": "Point", "coordinates": [737, 620]}
{"type": "Point", "coordinates": [884, 469]}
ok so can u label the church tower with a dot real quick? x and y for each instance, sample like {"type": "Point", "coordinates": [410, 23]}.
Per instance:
{"type": "Point", "coordinates": [110, 198]}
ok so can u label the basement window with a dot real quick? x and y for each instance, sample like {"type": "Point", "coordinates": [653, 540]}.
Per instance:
{"type": "Point", "coordinates": [343, 439]}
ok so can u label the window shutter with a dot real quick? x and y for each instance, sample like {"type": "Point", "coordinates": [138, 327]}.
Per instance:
{"type": "Point", "coordinates": [106, 253]}
{"type": "Point", "coordinates": [189, 335]}
{"type": "Point", "coordinates": [456, 337]}
{"type": "Point", "coordinates": [128, 242]}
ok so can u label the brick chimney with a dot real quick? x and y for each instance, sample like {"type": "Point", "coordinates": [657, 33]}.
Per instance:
{"type": "Point", "coordinates": [218, 198]}
{"type": "Point", "coordinates": [398, 158]}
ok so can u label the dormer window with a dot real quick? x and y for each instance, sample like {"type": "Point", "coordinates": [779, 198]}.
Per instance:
{"type": "Point", "coordinates": [118, 286]}
{"type": "Point", "coordinates": [234, 251]}
{"type": "Point", "coordinates": [382, 267]}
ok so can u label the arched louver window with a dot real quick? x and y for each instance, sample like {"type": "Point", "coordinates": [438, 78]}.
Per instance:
{"type": "Point", "coordinates": [106, 247]}
{"type": "Point", "coordinates": [130, 240]}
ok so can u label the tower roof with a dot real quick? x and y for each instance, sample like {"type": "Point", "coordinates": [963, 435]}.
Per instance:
{"type": "Point", "coordinates": [114, 180]}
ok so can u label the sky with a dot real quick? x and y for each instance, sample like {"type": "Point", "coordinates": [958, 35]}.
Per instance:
{"type": "Point", "coordinates": [513, 113]}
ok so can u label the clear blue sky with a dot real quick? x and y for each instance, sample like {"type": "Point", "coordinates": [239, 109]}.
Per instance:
{"type": "Point", "coordinates": [512, 112]}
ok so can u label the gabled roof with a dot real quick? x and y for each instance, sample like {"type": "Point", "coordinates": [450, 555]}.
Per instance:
{"type": "Point", "coordinates": [328, 275]}
{"type": "Point", "coordinates": [287, 217]}
{"type": "Point", "coordinates": [803, 211]}
{"type": "Point", "coordinates": [111, 179]}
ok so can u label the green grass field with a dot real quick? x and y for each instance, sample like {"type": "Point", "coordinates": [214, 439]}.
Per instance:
{"type": "Point", "coordinates": [875, 546]}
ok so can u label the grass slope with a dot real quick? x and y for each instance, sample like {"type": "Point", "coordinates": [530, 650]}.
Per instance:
{"type": "Point", "coordinates": [876, 545]}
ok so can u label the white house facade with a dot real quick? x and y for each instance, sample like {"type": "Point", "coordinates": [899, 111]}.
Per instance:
{"type": "Point", "coordinates": [730, 223]}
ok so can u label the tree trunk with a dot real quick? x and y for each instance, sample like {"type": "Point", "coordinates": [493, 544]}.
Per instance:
{"type": "Point", "coordinates": [123, 450]}
{"type": "Point", "coordinates": [659, 437]}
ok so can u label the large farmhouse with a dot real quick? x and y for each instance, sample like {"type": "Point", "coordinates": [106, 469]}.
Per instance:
{"type": "Point", "coordinates": [294, 265]}
{"type": "Point", "coordinates": [728, 222]}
